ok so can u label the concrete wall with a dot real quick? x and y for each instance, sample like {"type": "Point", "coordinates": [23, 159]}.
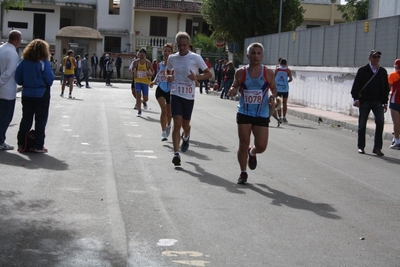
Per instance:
{"type": "Point", "coordinates": [325, 88]}
{"type": "Point", "coordinates": [341, 45]}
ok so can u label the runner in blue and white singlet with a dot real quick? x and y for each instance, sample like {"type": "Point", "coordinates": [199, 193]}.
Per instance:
{"type": "Point", "coordinates": [162, 78]}
{"type": "Point", "coordinates": [163, 92]}
{"type": "Point", "coordinates": [256, 84]}
{"type": "Point", "coordinates": [282, 79]}
{"type": "Point", "coordinates": [254, 95]}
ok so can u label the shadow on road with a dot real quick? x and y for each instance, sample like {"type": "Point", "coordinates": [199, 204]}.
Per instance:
{"type": "Point", "coordinates": [298, 126]}
{"type": "Point", "coordinates": [35, 161]}
{"type": "Point", "coordinates": [282, 199]}
{"type": "Point", "coordinates": [31, 235]}
{"type": "Point", "coordinates": [193, 153]}
{"type": "Point", "coordinates": [211, 179]}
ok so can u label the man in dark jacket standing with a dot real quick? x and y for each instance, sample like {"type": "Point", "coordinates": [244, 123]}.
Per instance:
{"type": "Point", "coordinates": [94, 61]}
{"type": "Point", "coordinates": [101, 65]}
{"type": "Point", "coordinates": [370, 91]}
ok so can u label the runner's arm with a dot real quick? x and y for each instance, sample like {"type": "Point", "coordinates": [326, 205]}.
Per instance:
{"type": "Point", "coordinates": [290, 75]}
{"type": "Point", "coordinates": [236, 82]}
{"type": "Point", "coordinates": [272, 85]}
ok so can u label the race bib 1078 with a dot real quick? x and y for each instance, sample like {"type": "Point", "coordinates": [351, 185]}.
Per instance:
{"type": "Point", "coordinates": [253, 96]}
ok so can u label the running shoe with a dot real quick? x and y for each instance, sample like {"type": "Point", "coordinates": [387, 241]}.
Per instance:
{"type": "Point", "coordinates": [252, 162]}
{"type": "Point", "coordinates": [284, 120]}
{"type": "Point", "coordinates": [185, 144]}
{"type": "Point", "coordinates": [176, 160]}
{"type": "Point", "coordinates": [242, 178]}
{"type": "Point", "coordinates": [43, 150]}
{"type": "Point", "coordinates": [62, 94]}
{"type": "Point", "coordinates": [164, 136]}
{"type": "Point", "coordinates": [6, 146]}
{"type": "Point", "coordinates": [144, 105]}
{"type": "Point", "coordinates": [69, 96]}
{"type": "Point", "coordinates": [135, 107]}
{"type": "Point", "coordinates": [168, 130]}
{"type": "Point", "coordinates": [139, 114]}
{"type": "Point", "coordinates": [395, 146]}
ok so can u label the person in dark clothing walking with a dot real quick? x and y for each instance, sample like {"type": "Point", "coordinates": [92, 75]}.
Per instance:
{"type": "Point", "coordinates": [101, 65]}
{"type": "Point", "coordinates": [118, 64]}
{"type": "Point", "coordinates": [370, 91]}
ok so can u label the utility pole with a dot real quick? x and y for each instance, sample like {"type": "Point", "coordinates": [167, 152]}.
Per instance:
{"type": "Point", "coordinates": [280, 16]}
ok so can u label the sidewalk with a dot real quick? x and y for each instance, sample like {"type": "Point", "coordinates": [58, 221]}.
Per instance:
{"type": "Point", "coordinates": [332, 118]}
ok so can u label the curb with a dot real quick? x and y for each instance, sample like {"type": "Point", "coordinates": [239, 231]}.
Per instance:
{"type": "Point", "coordinates": [325, 120]}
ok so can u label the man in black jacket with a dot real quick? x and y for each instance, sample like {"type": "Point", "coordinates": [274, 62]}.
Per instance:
{"type": "Point", "coordinates": [94, 61]}
{"type": "Point", "coordinates": [101, 65]}
{"type": "Point", "coordinates": [370, 91]}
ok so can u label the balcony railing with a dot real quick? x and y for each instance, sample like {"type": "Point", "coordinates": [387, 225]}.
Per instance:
{"type": "Point", "coordinates": [169, 5]}
{"type": "Point", "coordinates": [67, 2]}
{"type": "Point", "coordinates": [144, 41]}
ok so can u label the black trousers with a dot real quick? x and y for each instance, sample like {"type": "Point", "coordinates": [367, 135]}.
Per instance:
{"type": "Point", "coordinates": [38, 108]}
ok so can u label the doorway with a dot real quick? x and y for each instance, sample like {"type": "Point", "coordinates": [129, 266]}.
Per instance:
{"type": "Point", "coordinates": [39, 26]}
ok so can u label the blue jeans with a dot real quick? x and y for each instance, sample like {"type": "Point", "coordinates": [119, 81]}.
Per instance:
{"type": "Point", "coordinates": [78, 73]}
{"type": "Point", "coordinates": [227, 86]}
{"type": "Point", "coordinates": [37, 107]}
{"type": "Point", "coordinates": [364, 110]}
{"type": "Point", "coordinates": [94, 69]}
{"type": "Point", "coordinates": [86, 77]}
{"type": "Point", "coordinates": [6, 114]}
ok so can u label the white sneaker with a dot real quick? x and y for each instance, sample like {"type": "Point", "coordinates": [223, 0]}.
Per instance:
{"type": "Point", "coordinates": [6, 146]}
{"type": "Point", "coordinates": [139, 114]}
{"type": "Point", "coordinates": [395, 146]}
{"type": "Point", "coordinates": [168, 130]}
{"type": "Point", "coordinates": [164, 136]}
{"type": "Point", "coordinates": [144, 106]}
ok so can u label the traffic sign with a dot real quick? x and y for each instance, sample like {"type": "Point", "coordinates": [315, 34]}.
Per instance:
{"type": "Point", "coordinates": [233, 47]}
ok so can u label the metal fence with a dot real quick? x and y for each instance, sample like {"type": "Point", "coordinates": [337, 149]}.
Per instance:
{"type": "Point", "coordinates": [341, 45]}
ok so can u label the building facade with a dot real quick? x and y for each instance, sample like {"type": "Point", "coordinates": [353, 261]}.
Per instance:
{"type": "Point", "coordinates": [383, 8]}
{"type": "Point", "coordinates": [320, 13]}
{"type": "Point", "coordinates": [111, 26]}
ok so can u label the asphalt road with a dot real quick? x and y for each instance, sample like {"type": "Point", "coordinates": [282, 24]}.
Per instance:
{"type": "Point", "coordinates": [107, 193]}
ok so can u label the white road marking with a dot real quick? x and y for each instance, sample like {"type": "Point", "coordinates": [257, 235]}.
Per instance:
{"type": "Point", "coordinates": [134, 135]}
{"type": "Point", "coordinates": [143, 156]}
{"type": "Point", "coordinates": [166, 242]}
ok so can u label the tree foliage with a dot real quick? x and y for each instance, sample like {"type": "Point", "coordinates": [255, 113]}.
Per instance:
{"type": "Point", "coordinates": [204, 42]}
{"type": "Point", "coordinates": [14, 3]}
{"type": "Point", "coordinates": [235, 20]}
{"type": "Point", "coordinates": [354, 10]}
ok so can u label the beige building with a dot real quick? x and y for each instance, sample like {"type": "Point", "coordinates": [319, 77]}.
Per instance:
{"type": "Point", "coordinates": [156, 22]}
{"type": "Point", "coordinates": [320, 13]}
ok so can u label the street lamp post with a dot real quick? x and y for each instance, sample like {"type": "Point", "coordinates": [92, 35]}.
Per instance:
{"type": "Point", "coordinates": [280, 16]}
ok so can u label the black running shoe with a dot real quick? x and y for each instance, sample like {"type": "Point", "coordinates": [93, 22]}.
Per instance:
{"type": "Point", "coordinates": [252, 162]}
{"type": "Point", "coordinates": [185, 144]}
{"type": "Point", "coordinates": [242, 178]}
{"type": "Point", "coordinates": [176, 160]}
